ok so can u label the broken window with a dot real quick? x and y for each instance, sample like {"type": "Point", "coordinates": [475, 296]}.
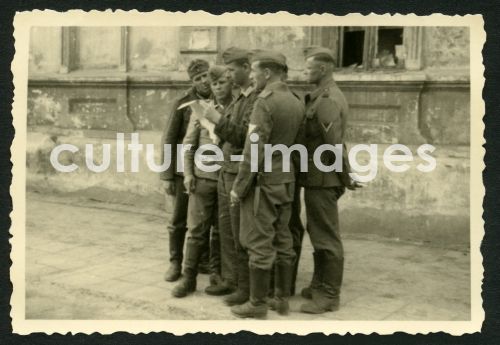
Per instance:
{"type": "Point", "coordinates": [364, 47]}
{"type": "Point", "coordinates": [353, 46]}
{"type": "Point", "coordinates": [389, 47]}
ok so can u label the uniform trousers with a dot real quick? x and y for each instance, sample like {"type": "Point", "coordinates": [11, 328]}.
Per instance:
{"type": "Point", "coordinates": [264, 232]}
{"type": "Point", "coordinates": [229, 225]}
{"type": "Point", "coordinates": [177, 226]}
{"type": "Point", "coordinates": [324, 232]}
{"type": "Point", "coordinates": [202, 216]}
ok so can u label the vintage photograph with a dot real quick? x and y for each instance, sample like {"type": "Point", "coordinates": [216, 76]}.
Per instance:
{"type": "Point", "coordinates": [315, 169]}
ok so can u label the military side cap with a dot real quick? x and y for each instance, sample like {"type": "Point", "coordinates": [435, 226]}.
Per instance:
{"type": "Point", "coordinates": [196, 67]}
{"type": "Point", "coordinates": [216, 72]}
{"type": "Point", "coordinates": [269, 56]}
{"type": "Point", "coordinates": [320, 52]}
{"type": "Point", "coordinates": [234, 53]}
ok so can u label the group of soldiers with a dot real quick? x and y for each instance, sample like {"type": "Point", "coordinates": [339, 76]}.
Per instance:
{"type": "Point", "coordinates": [241, 225]}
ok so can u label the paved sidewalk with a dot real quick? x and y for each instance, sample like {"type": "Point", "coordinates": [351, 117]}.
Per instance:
{"type": "Point", "coordinates": [96, 260]}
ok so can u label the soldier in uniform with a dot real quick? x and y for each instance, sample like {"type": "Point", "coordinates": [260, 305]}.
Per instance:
{"type": "Point", "coordinates": [232, 129]}
{"type": "Point", "coordinates": [201, 184]}
{"type": "Point", "coordinates": [175, 130]}
{"type": "Point", "coordinates": [326, 120]}
{"type": "Point", "coordinates": [266, 196]}
{"type": "Point", "coordinates": [296, 227]}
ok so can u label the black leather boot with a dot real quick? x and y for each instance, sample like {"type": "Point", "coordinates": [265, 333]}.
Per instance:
{"type": "Point", "coordinates": [174, 271]}
{"type": "Point", "coordinates": [327, 296]}
{"type": "Point", "coordinates": [242, 293]}
{"type": "Point", "coordinates": [218, 286]}
{"type": "Point", "coordinates": [316, 278]}
{"type": "Point", "coordinates": [214, 257]}
{"type": "Point", "coordinates": [187, 285]}
{"type": "Point", "coordinates": [270, 293]}
{"type": "Point", "coordinates": [204, 264]}
{"type": "Point", "coordinates": [176, 246]}
{"type": "Point", "coordinates": [283, 274]}
{"type": "Point", "coordinates": [298, 251]}
{"type": "Point", "coordinates": [256, 307]}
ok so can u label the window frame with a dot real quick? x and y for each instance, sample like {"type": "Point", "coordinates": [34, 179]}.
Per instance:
{"type": "Point", "coordinates": [70, 51]}
{"type": "Point", "coordinates": [412, 40]}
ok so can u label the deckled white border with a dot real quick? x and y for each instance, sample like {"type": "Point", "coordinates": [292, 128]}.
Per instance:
{"type": "Point", "coordinates": [25, 20]}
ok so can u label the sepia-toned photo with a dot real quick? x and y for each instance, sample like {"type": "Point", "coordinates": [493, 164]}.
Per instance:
{"type": "Point", "coordinates": [189, 172]}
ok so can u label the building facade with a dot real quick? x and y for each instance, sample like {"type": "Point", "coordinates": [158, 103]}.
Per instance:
{"type": "Point", "coordinates": [407, 85]}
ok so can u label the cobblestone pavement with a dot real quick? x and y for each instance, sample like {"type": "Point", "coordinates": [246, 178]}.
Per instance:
{"type": "Point", "coordinates": [94, 260]}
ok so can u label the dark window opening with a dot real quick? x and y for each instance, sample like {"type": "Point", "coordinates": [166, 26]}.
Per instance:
{"type": "Point", "coordinates": [390, 50]}
{"type": "Point", "coordinates": [353, 46]}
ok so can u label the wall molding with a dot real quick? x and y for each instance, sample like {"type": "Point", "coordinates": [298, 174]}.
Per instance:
{"type": "Point", "coordinates": [124, 80]}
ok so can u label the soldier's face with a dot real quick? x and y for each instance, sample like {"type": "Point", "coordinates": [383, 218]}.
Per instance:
{"type": "Point", "coordinates": [238, 73]}
{"type": "Point", "coordinates": [221, 88]}
{"type": "Point", "coordinates": [258, 76]}
{"type": "Point", "coordinates": [201, 84]}
{"type": "Point", "coordinates": [314, 71]}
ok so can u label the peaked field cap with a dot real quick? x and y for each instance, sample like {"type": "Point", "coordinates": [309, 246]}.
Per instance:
{"type": "Point", "coordinates": [233, 53]}
{"type": "Point", "coordinates": [268, 56]}
{"type": "Point", "coordinates": [196, 67]}
{"type": "Point", "coordinates": [216, 72]}
{"type": "Point", "coordinates": [320, 52]}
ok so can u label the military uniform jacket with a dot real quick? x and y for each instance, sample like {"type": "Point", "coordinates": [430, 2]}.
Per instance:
{"type": "Point", "coordinates": [175, 130]}
{"type": "Point", "coordinates": [233, 127]}
{"type": "Point", "coordinates": [276, 117]}
{"type": "Point", "coordinates": [325, 123]}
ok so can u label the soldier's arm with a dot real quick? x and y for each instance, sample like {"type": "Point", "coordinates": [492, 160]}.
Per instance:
{"type": "Point", "coordinates": [191, 138]}
{"type": "Point", "coordinates": [330, 120]}
{"type": "Point", "coordinates": [261, 123]}
{"type": "Point", "coordinates": [329, 117]}
{"type": "Point", "coordinates": [170, 134]}
{"type": "Point", "coordinates": [231, 131]}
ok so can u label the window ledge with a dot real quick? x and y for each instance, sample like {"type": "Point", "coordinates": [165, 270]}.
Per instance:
{"type": "Point", "coordinates": [380, 76]}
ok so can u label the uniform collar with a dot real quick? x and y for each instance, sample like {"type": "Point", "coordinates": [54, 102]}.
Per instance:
{"type": "Point", "coordinates": [277, 85]}
{"type": "Point", "coordinates": [217, 104]}
{"type": "Point", "coordinates": [247, 91]}
{"type": "Point", "coordinates": [322, 87]}
{"type": "Point", "coordinates": [196, 95]}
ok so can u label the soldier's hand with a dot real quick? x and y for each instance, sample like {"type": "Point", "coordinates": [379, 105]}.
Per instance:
{"type": "Point", "coordinates": [189, 184]}
{"type": "Point", "coordinates": [234, 198]}
{"type": "Point", "coordinates": [211, 114]}
{"type": "Point", "coordinates": [355, 185]}
{"type": "Point", "coordinates": [169, 187]}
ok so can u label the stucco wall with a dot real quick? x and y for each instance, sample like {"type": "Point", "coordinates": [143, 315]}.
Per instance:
{"type": "Point", "coordinates": [446, 47]}
{"type": "Point", "coordinates": [431, 105]}
{"type": "Point", "coordinates": [412, 112]}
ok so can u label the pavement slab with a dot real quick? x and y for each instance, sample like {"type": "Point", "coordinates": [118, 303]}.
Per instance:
{"type": "Point", "coordinates": [94, 260]}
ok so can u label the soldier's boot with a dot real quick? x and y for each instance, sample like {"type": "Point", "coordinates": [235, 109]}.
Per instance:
{"type": "Point", "coordinates": [218, 286]}
{"type": "Point", "coordinates": [283, 274]}
{"type": "Point", "coordinates": [204, 264]}
{"type": "Point", "coordinates": [187, 284]}
{"type": "Point", "coordinates": [270, 293]}
{"type": "Point", "coordinates": [220, 289]}
{"type": "Point", "coordinates": [297, 251]}
{"type": "Point", "coordinates": [315, 281]}
{"type": "Point", "coordinates": [176, 246]}
{"type": "Point", "coordinates": [257, 306]}
{"type": "Point", "coordinates": [242, 293]}
{"type": "Point", "coordinates": [327, 296]}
